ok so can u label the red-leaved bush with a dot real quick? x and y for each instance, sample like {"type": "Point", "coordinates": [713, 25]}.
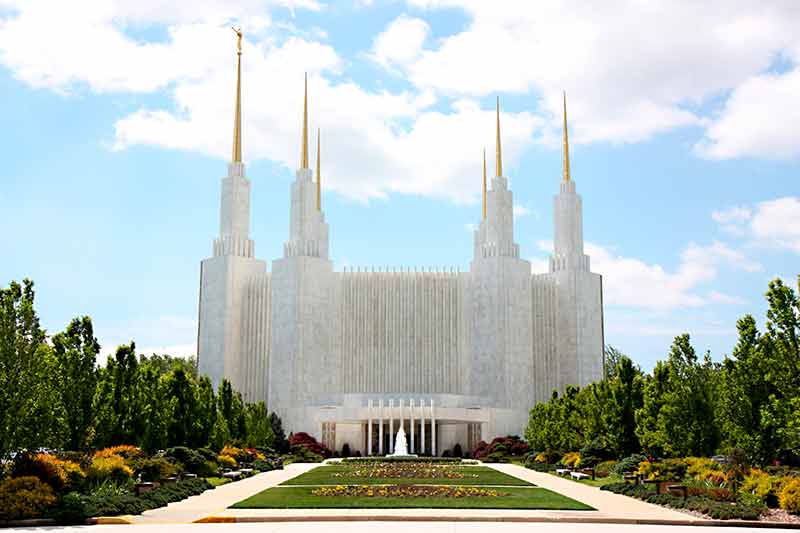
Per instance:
{"type": "Point", "coordinates": [308, 442]}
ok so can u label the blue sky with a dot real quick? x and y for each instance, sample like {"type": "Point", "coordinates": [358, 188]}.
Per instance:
{"type": "Point", "coordinates": [685, 147]}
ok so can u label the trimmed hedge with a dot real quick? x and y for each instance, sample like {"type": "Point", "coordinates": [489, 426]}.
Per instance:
{"type": "Point", "coordinates": [76, 508]}
{"type": "Point", "coordinates": [714, 509]}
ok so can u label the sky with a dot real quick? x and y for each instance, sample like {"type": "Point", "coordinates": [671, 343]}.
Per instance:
{"type": "Point", "coordinates": [684, 129]}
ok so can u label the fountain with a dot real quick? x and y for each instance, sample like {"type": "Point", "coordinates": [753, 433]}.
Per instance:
{"type": "Point", "coordinates": [400, 445]}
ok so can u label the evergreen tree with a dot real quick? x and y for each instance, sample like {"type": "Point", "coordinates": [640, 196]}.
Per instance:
{"type": "Point", "coordinates": [280, 443]}
{"type": "Point", "coordinates": [75, 351]}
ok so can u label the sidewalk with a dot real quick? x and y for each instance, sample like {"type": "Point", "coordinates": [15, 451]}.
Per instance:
{"type": "Point", "coordinates": [217, 500]}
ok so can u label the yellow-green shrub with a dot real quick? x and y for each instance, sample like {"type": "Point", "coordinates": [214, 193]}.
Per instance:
{"type": "Point", "coordinates": [762, 486]}
{"type": "Point", "coordinates": [24, 497]}
{"type": "Point", "coordinates": [571, 459]}
{"type": "Point", "coordinates": [110, 467]}
{"type": "Point", "coordinates": [789, 499]}
{"type": "Point", "coordinates": [226, 461]}
{"type": "Point", "coordinates": [668, 469]}
{"type": "Point", "coordinates": [605, 468]}
{"type": "Point", "coordinates": [126, 451]}
{"type": "Point", "coordinates": [698, 466]}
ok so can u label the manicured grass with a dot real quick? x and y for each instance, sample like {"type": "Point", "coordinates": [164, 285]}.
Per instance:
{"type": "Point", "coordinates": [516, 498]}
{"type": "Point", "coordinates": [324, 475]}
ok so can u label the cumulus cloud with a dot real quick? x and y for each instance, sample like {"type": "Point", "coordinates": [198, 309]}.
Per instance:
{"type": "Point", "coordinates": [401, 42]}
{"type": "Point", "coordinates": [631, 282]}
{"type": "Point", "coordinates": [772, 223]}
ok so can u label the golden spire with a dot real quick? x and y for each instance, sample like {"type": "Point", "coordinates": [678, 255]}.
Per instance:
{"type": "Point", "coordinates": [484, 183]}
{"type": "Point", "coordinates": [566, 141]}
{"type": "Point", "coordinates": [498, 152]}
{"type": "Point", "coordinates": [319, 197]}
{"type": "Point", "coordinates": [304, 152]}
{"type": "Point", "coordinates": [237, 120]}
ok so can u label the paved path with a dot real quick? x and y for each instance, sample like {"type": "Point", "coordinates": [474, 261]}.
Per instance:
{"type": "Point", "coordinates": [606, 503]}
{"type": "Point", "coordinates": [394, 527]}
{"type": "Point", "coordinates": [215, 501]}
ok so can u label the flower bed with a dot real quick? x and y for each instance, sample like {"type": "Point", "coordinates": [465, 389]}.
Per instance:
{"type": "Point", "coordinates": [406, 491]}
{"type": "Point", "coordinates": [404, 470]}
{"type": "Point", "coordinates": [428, 460]}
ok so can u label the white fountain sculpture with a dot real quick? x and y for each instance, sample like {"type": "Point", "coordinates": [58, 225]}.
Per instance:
{"type": "Point", "coordinates": [400, 445]}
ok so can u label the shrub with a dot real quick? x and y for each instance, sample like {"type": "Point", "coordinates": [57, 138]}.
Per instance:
{"type": "Point", "coordinates": [60, 475]}
{"type": "Point", "coordinates": [698, 466]}
{"type": "Point", "coordinates": [762, 487]}
{"type": "Point", "coordinates": [24, 497]}
{"type": "Point", "coordinates": [309, 444]}
{"type": "Point", "coordinates": [226, 461]}
{"type": "Point", "coordinates": [126, 451]}
{"type": "Point", "coordinates": [191, 460]}
{"type": "Point", "coordinates": [208, 454]}
{"type": "Point", "coordinates": [108, 467]}
{"type": "Point", "coordinates": [501, 449]}
{"type": "Point", "coordinates": [789, 499]}
{"type": "Point", "coordinates": [604, 469]}
{"type": "Point", "coordinates": [669, 469]}
{"type": "Point", "coordinates": [593, 452]}
{"type": "Point", "coordinates": [152, 468]}
{"type": "Point", "coordinates": [629, 464]}
{"type": "Point", "coordinates": [263, 465]}
{"type": "Point", "coordinates": [457, 451]}
{"type": "Point", "coordinates": [345, 450]}
{"type": "Point", "coordinates": [70, 510]}
{"type": "Point", "coordinates": [129, 504]}
{"type": "Point", "coordinates": [570, 459]}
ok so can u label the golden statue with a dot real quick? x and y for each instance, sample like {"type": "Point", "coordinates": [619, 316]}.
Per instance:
{"type": "Point", "coordinates": [238, 32]}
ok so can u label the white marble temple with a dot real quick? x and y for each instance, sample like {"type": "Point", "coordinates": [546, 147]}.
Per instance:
{"type": "Point", "coordinates": [470, 351]}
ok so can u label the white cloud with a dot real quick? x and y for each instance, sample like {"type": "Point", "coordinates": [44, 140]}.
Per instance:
{"type": "Point", "coordinates": [631, 282]}
{"type": "Point", "coordinates": [772, 223]}
{"type": "Point", "coordinates": [630, 69]}
{"type": "Point", "coordinates": [401, 42]}
{"type": "Point", "coordinates": [760, 119]}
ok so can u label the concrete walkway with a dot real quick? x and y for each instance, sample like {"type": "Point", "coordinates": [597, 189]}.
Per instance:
{"type": "Point", "coordinates": [215, 501]}
{"type": "Point", "coordinates": [606, 503]}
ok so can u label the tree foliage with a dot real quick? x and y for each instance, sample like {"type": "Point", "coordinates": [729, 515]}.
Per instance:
{"type": "Point", "coordinates": [52, 394]}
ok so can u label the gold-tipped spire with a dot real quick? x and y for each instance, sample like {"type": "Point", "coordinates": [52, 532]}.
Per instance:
{"type": "Point", "coordinates": [484, 183]}
{"type": "Point", "coordinates": [498, 151]}
{"type": "Point", "coordinates": [236, 157]}
{"type": "Point", "coordinates": [566, 141]}
{"type": "Point", "coordinates": [304, 151]}
{"type": "Point", "coordinates": [319, 183]}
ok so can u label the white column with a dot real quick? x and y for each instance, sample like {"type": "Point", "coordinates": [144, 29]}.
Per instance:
{"type": "Point", "coordinates": [422, 425]}
{"type": "Point", "coordinates": [401, 413]}
{"type": "Point", "coordinates": [433, 431]}
{"type": "Point", "coordinates": [391, 425]}
{"type": "Point", "coordinates": [369, 428]}
{"type": "Point", "coordinates": [380, 426]}
{"type": "Point", "coordinates": [411, 423]}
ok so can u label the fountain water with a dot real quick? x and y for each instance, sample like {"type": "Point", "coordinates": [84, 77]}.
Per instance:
{"type": "Point", "coordinates": [400, 445]}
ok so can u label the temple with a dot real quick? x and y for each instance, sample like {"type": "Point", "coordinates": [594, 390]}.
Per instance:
{"type": "Point", "coordinates": [350, 357]}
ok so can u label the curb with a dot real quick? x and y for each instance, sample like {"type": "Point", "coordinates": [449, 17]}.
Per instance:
{"type": "Point", "coordinates": [517, 519]}
{"type": "Point", "coordinates": [110, 520]}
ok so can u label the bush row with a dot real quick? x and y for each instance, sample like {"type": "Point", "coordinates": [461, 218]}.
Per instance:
{"type": "Point", "coordinates": [430, 460]}
{"type": "Point", "coordinates": [714, 509]}
{"type": "Point", "coordinates": [75, 508]}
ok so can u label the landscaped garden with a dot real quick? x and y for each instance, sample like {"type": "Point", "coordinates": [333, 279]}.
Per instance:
{"type": "Point", "coordinates": [408, 484]}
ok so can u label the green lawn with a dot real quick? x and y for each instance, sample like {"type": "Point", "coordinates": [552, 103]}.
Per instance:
{"type": "Point", "coordinates": [517, 498]}
{"type": "Point", "coordinates": [324, 475]}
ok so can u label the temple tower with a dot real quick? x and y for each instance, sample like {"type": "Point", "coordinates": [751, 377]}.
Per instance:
{"type": "Point", "coordinates": [497, 308]}
{"type": "Point", "coordinates": [302, 363]}
{"type": "Point", "coordinates": [579, 324]}
{"type": "Point", "coordinates": [225, 276]}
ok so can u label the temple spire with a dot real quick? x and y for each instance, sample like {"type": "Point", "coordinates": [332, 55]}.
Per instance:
{"type": "Point", "coordinates": [484, 183]}
{"type": "Point", "coordinates": [319, 178]}
{"type": "Point", "coordinates": [304, 151]}
{"type": "Point", "coordinates": [498, 151]}
{"type": "Point", "coordinates": [566, 142]}
{"type": "Point", "coordinates": [236, 157]}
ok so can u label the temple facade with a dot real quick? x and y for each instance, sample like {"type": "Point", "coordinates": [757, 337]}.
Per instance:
{"type": "Point", "coordinates": [453, 357]}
